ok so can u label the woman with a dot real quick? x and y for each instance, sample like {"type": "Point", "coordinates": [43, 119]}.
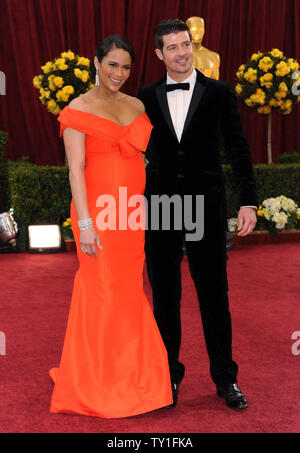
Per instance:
{"type": "Point", "coordinates": [113, 363]}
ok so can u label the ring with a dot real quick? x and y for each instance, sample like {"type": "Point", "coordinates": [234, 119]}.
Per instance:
{"type": "Point", "coordinates": [84, 250]}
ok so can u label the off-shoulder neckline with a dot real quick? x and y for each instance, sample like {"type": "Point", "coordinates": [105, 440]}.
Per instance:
{"type": "Point", "coordinates": [106, 119]}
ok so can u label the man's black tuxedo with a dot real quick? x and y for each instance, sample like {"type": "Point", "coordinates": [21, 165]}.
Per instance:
{"type": "Point", "coordinates": [190, 167]}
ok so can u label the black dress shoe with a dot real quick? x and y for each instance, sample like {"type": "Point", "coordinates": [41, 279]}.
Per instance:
{"type": "Point", "coordinates": [233, 396]}
{"type": "Point", "coordinates": [175, 388]}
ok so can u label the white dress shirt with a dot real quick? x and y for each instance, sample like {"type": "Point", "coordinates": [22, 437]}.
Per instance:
{"type": "Point", "coordinates": [179, 102]}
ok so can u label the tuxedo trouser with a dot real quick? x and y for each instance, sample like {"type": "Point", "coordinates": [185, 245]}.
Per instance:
{"type": "Point", "coordinates": [207, 259]}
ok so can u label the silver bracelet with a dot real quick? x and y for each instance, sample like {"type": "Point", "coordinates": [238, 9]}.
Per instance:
{"type": "Point", "coordinates": [85, 224]}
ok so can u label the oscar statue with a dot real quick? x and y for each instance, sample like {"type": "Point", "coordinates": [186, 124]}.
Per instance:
{"type": "Point", "coordinates": [205, 60]}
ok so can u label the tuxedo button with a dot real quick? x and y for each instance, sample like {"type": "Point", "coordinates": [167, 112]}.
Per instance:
{"type": "Point", "coordinates": [180, 176]}
{"type": "Point", "coordinates": [180, 153]}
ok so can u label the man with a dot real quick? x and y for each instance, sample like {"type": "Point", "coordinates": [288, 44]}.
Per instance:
{"type": "Point", "coordinates": [190, 120]}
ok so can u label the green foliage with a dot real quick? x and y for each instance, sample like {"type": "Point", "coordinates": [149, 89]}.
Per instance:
{"type": "Point", "coordinates": [3, 143]}
{"type": "Point", "coordinates": [289, 158]}
{"type": "Point", "coordinates": [272, 181]}
{"type": "Point", "coordinates": [38, 194]}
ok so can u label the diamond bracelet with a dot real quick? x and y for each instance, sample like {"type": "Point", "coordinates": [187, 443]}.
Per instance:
{"type": "Point", "coordinates": [85, 224]}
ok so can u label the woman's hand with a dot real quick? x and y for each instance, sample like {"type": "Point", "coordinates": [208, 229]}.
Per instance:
{"type": "Point", "coordinates": [88, 241]}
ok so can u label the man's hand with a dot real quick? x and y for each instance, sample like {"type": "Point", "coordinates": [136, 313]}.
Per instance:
{"type": "Point", "coordinates": [246, 220]}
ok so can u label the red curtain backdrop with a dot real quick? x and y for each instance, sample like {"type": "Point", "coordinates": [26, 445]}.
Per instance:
{"type": "Point", "coordinates": [35, 31]}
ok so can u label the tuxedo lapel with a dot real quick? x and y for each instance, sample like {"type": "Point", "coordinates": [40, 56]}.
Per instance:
{"type": "Point", "coordinates": [196, 98]}
{"type": "Point", "coordinates": [161, 94]}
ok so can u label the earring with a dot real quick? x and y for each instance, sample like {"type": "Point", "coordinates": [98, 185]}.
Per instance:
{"type": "Point", "coordinates": [97, 78]}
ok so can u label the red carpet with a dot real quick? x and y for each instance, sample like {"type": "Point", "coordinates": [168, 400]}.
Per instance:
{"type": "Point", "coordinates": [264, 297]}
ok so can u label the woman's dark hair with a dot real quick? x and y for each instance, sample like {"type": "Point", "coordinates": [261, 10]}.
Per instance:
{"type": "Point", "coordinates": [166, 27]}
{"type": "Point", "coordinates": [106, 45]}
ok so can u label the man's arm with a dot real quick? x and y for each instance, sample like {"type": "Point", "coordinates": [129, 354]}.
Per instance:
{"type": "Point", "coordinates": [237, 148]}
{"type": "Point", "coordinates": [239, 155]}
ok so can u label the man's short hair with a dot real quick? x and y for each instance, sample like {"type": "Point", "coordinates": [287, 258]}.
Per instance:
{"type": "Point", "coordinates": [167, 26]}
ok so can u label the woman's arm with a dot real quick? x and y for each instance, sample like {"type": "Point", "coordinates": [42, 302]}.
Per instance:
{"type": "Point", "coordinates": [75, 149]}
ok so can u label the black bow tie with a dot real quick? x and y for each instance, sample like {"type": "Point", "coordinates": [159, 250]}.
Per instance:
{"type": "Point", "coordinates": [177, 86]}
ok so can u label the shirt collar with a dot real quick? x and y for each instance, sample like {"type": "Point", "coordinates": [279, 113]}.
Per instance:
{"type": "Point", "coordinates": [191, 79]}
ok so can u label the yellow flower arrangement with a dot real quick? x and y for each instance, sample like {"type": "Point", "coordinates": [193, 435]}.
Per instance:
{"type": "Point", "coordinates": [265, 82]}
{"type": "Point", "coordinates": [256, 56]}
{"type": "Point", "coordinates": [63, 79]}
{"type": "Point", "coordinates": [250, 75]}
{"type": "Point", "coordinates": [67, 229]}
{"type": "Point", "coordinates": [259, 212]}
{"type": "Point", "coordinates": [265, 63]}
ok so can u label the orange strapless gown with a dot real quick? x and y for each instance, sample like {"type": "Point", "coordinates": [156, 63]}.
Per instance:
{"type": "Point", "coordinates": [114, 363]}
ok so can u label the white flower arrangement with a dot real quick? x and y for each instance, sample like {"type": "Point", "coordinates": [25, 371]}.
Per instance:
{"type": "Point", "coordinates": [274, 214]}
{"type": "Point", "coordinates": [232, 224]}
{"type": "Point", "coordinates": [280, 210]}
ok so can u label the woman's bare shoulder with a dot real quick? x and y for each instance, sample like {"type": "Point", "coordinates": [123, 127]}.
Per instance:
{"type": "Point", "coordinates": [81, 101]}
{"type": "Point", "coordinates": [76, 103]}
{"type": "Point", "coordinates": [136, 104]}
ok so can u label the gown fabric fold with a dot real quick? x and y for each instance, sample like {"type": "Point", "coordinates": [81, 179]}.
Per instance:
{"type": "Point", "coordinates": [113, 363]}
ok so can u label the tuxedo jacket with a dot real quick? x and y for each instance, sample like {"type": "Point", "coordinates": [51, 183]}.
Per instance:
{"type": "Point", "coordinates": [213, 119]}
